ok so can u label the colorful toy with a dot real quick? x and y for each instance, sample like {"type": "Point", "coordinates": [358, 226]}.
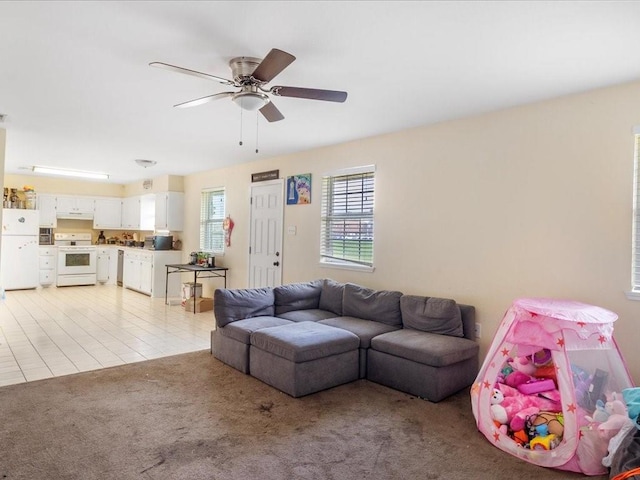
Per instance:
{"type": "Point", "coordinates": [553, 420]}
{"type": "Point", "coordinates": [544, 440]}
{"type": "Point", "coordinates": [536, 386]}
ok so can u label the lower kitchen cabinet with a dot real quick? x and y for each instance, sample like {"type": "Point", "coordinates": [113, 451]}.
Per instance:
{"type": "Point", "coordinates": [145, 271]}
{"type": "Point", "coordinates": [47, 261]}
{"type": "Point", "coordinates": [107, 265]}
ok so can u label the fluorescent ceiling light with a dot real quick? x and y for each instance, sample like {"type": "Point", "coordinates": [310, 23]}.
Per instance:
{"type": "Point", "coordinates": [70, 173]}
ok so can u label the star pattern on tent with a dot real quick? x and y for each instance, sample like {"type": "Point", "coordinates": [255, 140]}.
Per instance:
{"type": "Point", "coordinates": [571, 407]}
{"type": "Point", "coordinates": [487, 384]}
{"type": "Point", "coordinates": [505, 352]}
{"type": "Point", "coordinates": [560, 342]}
{"type": "Point", "coordinates": [602, 339]}
{"type": "Point", "coordinates": [581, 324]}
{"type": "Point", "coordinates": [496, 437]}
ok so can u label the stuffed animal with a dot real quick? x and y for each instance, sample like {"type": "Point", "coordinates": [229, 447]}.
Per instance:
{"type": "Point", "coordinates": [618, 417]}
{"type": "Point", "coordinates": [600, 414]}
{"type": "Point", "coordinates": [508, 403]}
{"type": "Point", "coordinates": [523, 370]}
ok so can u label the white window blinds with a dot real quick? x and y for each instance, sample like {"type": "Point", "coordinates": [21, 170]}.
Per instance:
{"type": "Point", "coordinates": [635, 267]}
{"type": "Point", "coordinates": [212, 213]}
{"type": "Point", "coordinates": [347, 217]}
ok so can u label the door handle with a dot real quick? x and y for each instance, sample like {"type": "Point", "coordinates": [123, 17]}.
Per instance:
{"type": "Point", "coordinates": [276, 264]}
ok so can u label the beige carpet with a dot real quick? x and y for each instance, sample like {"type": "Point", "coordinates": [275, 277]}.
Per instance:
{"type": "Point", "coordinates": [191, 417]}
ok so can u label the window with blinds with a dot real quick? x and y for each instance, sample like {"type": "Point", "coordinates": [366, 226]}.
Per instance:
{"type": "Point", "coordinates": [347, 218]}
{"type": "Point", "coordinates": [212, 213]}
{"type": "Point", "coordinates": [635, 266]}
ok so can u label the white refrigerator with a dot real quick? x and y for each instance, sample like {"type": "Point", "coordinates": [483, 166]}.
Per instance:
{"type": "Point", "coordinates": [19, 249]}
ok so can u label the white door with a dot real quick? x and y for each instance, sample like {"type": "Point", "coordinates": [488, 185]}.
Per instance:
{"type": "Point", "coordinates": [265, 244]}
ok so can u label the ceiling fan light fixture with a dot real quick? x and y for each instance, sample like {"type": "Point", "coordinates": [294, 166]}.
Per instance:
{"type": "Point", "coordinates": [250, 100]}
{"type": "Point", "coordinates": [145, 163]}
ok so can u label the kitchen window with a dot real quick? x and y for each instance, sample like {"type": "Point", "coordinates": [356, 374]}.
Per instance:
{"type": "Point", "coordinates": [347, 218]}
{"type": "Point", "coordinates": [212, 213]}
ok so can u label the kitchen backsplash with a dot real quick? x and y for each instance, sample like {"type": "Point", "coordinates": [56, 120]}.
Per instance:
{"type": "Point", "coordinates": [86, 226]}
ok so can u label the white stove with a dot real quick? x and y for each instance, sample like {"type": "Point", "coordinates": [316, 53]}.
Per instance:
{"type": "Point", "coordinates": [76, 259]}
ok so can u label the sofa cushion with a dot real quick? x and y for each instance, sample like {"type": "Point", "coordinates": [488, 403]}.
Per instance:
{"type": "Point", "coordinates": [381, 306]}
{"type": "Point", "coordinates": [297, 296]}
{"type": "Point", "coordinates": [311, 315]}
{"type": "Point", "coordinates": [434, 315]}
{"type": "Point", "coordinates": [426, 348]}
{"type": "Point", "coordinates": [238, 304]}
{"type": "Point", "coordinates": [304, 341]}
{"type": "Point", "coordinates": [364, 329]}
{"type": "Point", "coordinates": [331, 296]}
{"type": "Point", "coordinates": [241, 330]}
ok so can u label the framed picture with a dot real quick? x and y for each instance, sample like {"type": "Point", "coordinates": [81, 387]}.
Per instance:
{"type": "Point", "coordinates": [299, 189]}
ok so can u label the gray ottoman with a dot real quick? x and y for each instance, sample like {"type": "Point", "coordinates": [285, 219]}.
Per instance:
{"type": "Point", "coordinates": [303, 358]}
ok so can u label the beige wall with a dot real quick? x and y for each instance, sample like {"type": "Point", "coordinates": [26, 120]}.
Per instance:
{"type": "Point", "coordinates": [531, 201]}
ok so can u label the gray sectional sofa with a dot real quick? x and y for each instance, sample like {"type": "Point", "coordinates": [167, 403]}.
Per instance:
{"type": "Point", "coordinates": [305, 337]}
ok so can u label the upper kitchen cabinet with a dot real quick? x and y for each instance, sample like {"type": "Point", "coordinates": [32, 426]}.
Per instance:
{"type": "Point", "coordinates": [138, 212]}
{"type": "Point", "coordinates": [108, 213]}
{"type": "Point", "coordinates": [169, 211]}
{"type": "Point", "coordinates": [71, 206]}
{"type": "Point", "coordinates": [47, 208]}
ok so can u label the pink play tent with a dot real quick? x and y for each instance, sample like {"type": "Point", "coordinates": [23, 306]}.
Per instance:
{"type": "Point", "coordinates": [545, 390]}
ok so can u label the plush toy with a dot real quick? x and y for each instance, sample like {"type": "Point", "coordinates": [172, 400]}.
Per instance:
{"type": "Point", "coordinates": [618, 417]}
{"type": "Point", "coordinates": [600, 414]}
{"type": "Point", "coordinates": [522, 371]}
{"type": "Point", "coordinates": [510, 407]}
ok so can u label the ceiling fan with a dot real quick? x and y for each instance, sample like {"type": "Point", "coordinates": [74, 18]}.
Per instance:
{"type": "Point", "coordinates": [251, 75]}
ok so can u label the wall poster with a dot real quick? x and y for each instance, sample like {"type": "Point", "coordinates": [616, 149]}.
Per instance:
{"type": "Point", "coordinates": [299, 189]}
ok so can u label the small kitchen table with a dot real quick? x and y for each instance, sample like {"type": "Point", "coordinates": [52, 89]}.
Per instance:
{"type": "Point", "coordinates": [199, 271]}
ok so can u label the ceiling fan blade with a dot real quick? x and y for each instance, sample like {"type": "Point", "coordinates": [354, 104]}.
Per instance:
{"type": "Point", "coordinates": [311, 93]}
{"type": "Point", "coordinates": [275, 62]}
{"type": "Point", "coordinates": [271, 112]}
{"type": "Point", "coordinates": [201, 100]}
{"type": "Point", "coordinates": [195, 73]}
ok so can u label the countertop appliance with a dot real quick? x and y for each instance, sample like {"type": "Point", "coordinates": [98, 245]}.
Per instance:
{"type": "Point", "coordinates": [159, 242]}
{"type": "Point", "coordinates": [77, 259]}
{"type": "Point", "coordinates": [19, 253]}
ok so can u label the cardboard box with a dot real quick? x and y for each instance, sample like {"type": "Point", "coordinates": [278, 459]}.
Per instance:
{"type": "Point", "coordinates": [203, 304]}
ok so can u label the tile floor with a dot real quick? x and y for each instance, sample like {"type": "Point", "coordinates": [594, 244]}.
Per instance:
{"type": "Point", "coordinates": [49, 332]}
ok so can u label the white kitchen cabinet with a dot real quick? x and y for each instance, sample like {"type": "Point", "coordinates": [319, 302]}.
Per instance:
{"type": "Point", "coordinates": [169, 211]}
{"type": "Point", "coordinates": [108, 213]}
{"type": "Point", "coordinates": [145, 271]}
{"type": "Point", "coordinates": [47, 265]}
{"type": "Point", "coordinates": [47, 208]}
{"type": "Point", "coordinates": [73, 204]}
{"type": "Point", "coordinates": [102, 265]}
{"type": "Point", "coordinates": [138, 212]}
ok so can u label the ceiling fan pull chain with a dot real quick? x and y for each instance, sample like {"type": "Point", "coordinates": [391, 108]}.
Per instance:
{"type": "Point", "coordinates": [240, 143]}
{"type": "Point", "coordinates": [256, 131]}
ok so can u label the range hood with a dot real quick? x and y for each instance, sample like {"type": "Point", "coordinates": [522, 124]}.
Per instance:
{"type": "Point", "coordinates": [74, 215]}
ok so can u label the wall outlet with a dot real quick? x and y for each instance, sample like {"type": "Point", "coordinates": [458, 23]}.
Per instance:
{"type": "Point", "coordinates": [478, 330]}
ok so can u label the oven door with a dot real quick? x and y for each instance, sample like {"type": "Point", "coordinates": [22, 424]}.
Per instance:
{"type": "Point", "coordinates": [76, 260]}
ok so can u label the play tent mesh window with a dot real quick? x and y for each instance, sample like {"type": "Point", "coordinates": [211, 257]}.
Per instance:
{"type": "Point", "coordinates": [347, 218]}
{"type": "Point", "coordinates": [212, 212]}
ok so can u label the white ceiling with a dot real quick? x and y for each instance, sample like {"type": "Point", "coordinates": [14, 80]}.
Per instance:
{"type": "Point", "coordinates": [78, 93]}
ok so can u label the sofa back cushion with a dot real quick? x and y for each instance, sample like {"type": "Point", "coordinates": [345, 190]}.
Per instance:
{"type": "Point", "coordinates": [331, 296]}
{"type": "Point", "coordinates": [238, 304]}
{"type": "Point", "coordinates": [377, 305]}
{"type": "Point", "coordinates": [433, 315]}
{"type": "Point", "coordinates": [297, 296]}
